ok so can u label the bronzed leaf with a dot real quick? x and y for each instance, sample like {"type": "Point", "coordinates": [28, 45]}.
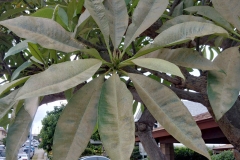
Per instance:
{"type": "Point", "coordinates": [229, 9]}
{"type": "Point", "coordinates": [181, 19]}
{"type": "Point", "coordinates": [97, 11]}
{"type": "Point", "coordinates": [45, 32]}
{"type": "Point", "coordinates": [211, 13]}
{"type": "Point", "coordinates": [159, 65]}
{"type": "Point", "coordinates": [145, 14]}
{"type": "Point", "coordinates": [19, 129]}
{"type": "Point", "coordinates": [80, 118]}
{"type": "Point", "coordinates": [118, 19]}
{"type": "Point", "coordinates": [182, 33]}
{"type": "Point", "coordinates": [185, 57]}
{"type": "Point", "coordinates": [170, 112]}
{"type": "Point", "coordinates": [115, 119]}
{"type": "Point", "coordinates": [66, 75]}
{"type": "Point", "coordinates": [224, 86]}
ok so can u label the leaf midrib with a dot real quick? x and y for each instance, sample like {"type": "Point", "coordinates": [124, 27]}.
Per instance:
{"type": "Point", "coordinates": [47, 37]}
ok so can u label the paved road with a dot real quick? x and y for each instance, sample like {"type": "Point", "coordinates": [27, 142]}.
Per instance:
{"type": "Point", "coordinates": [39, 154]}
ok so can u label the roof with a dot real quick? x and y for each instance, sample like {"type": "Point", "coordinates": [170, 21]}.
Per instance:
{"type": "Point", "coordinates": [226, 146]}
{"type": "Point", "coordinates": [197, 118]}
{"type": "Point", "coordinates": [2, 129]}
{"type": "Point", "coordinates": [202, 116]}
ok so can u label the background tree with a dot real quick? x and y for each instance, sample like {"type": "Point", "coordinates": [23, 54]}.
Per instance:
{"type": "Point", "coordinates": [47, 132]}
{"type": "Point", "coordinates": [141, 40]}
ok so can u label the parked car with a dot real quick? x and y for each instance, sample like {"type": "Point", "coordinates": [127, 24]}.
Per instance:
{"type": "Point", "coordinates": [35, 144]}
{"type": "Point", "coordinates": [31, 148]}
{"type": "Point", "coordinates": [2, 155]}
{"type": "Point", "coordinates": [26, 150]}
{"type": "Point", "coordinates": [22, 156]}
{"type": "Point", "coordinates": [2, 148]}
{"type": "Point", "coordinates": [94, 158]}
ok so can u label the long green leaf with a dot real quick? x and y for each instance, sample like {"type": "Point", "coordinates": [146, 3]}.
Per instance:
{"type": "Point", "coordinates": [159, 65]}
{"type": "Point", "coordinates": [19, 129]}
{"type": "Point", "coordinates": [17, 48]}
{"type": "Point", "coordinates": [185, 57]}
{"type": "Point", "coordinates": [181, 19]}
{"type": "Point", "coordinates": [115, 119]}
{"type": "Point", "coordinates": [11, 12]}
{"type": "Point", "coordinates": [224, 86]}
{"type": "Point", "coordinates": [66, 75]}
{"type": "Point", "coordinates": [7, 102]}
{"type": "Point", "coordinates": [19, 69]}
{"type": "Point", "coordinates": [145, 14]}
{"type": "Point", "coordinates": [45, 32]}
{"type": "Point", "coordinates": [80, 118]}
{"type": "Point", "coordinates": [34, 50]}
{"type": "Point", "coordinates": [210, 13]}
{"type": "Point", "coordinates": [83, 17]}
{"type": "Point", "coordinates": [6, 87]}
{"type": "Point", "coordinates": [178, 10]}
{"type": "Point", "coordinates": [118, 19]}
{"type": "Point", "coordinates": [229, 9]}
{"type": "Point", "coordinates": [170, 112]}
{"type": "Point", "coordinates": [97, 11]}
{"type": "Point", "coordinates": [181, 33]}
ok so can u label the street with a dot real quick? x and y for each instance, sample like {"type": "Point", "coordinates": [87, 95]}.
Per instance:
{"type": "Point", "coordinates": [39, 154]}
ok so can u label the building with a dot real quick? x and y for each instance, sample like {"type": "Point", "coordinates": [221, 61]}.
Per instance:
{"type": "Point", "coordinates": [3, 133]}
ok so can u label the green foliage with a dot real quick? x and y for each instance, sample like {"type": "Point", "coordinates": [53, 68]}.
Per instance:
{"type": "Point", "coordinates": [225, 155]}
{"type": "Point", "coordinates": [4, 140]}
{"type": "Point", "coordinates": [183, 153]}
{"type": "Point", "coordinates": [49, 124]}
{"type": "Point", "coordinates": [136, 154]}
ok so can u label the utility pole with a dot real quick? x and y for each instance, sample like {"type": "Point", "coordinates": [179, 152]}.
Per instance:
{"type": "Point", "coordinates": [30, 139]}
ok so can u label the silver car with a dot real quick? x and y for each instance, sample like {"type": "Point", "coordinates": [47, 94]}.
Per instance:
{"type": "Point", "coordinates": [2, 155]}
{"type": "Point", "coordinates": [94, 158]}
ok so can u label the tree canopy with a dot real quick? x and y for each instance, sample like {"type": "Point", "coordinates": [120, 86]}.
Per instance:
{"type": "Point", "coordinates": [104, 56]}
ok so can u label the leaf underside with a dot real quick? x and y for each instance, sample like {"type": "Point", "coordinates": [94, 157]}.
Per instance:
{"type": "Point", "coordinates": [80, 118]}
{"type": "Point", "coordinates": [115, 119]}
{"type": "Point", "coordinates": [185, 57]}
{"type": "Point", "coordinates": [223, 86]}
{"type": "Point", "coordinates": [43, 31]}
{"type": "Point", "coordinates": [159, 65]}
{"type": "Point", "coordinates": [66, 75]}
{"type": "Point", "coordinates": [182, 33]}
{"type": "Point", "coordinates": [145, 14]}
{"type": "Point", "coordinates": [170, 112]}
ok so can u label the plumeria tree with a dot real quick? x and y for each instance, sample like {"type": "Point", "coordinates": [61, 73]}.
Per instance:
{"type": "Point", "coordinates": [107, 56]}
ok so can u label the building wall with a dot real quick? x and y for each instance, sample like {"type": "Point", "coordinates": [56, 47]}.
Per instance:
{"type": "Point", "coordinates": [2, 134]}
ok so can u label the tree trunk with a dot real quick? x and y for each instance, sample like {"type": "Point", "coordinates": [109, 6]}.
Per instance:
{"type": "Point", "coordinates": [150, 146]}
{"type": "Point", "coordinates": [230, 125]}
{"type": "Point", "coordinates": [144, 128]}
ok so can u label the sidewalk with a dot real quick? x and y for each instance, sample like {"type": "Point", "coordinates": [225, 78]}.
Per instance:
{"type": "Point", "coordinates": [39, 155]}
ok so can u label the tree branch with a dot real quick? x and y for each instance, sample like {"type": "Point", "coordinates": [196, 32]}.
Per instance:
{"type": "Point", "coordinates": [89, 44]}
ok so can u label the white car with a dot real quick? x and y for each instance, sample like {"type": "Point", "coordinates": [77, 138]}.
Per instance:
{"type": "Point", "coordinates": [22, 156]}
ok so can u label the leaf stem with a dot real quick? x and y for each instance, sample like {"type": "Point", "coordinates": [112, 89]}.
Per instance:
{"type": "Point", "coordinates": [235, 39]}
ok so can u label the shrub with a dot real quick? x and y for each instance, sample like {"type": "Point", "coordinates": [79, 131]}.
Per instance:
{"type": "Point", "coordinates": [225, 155]}
{"type": "Point", "coordinates": [183, 153]}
